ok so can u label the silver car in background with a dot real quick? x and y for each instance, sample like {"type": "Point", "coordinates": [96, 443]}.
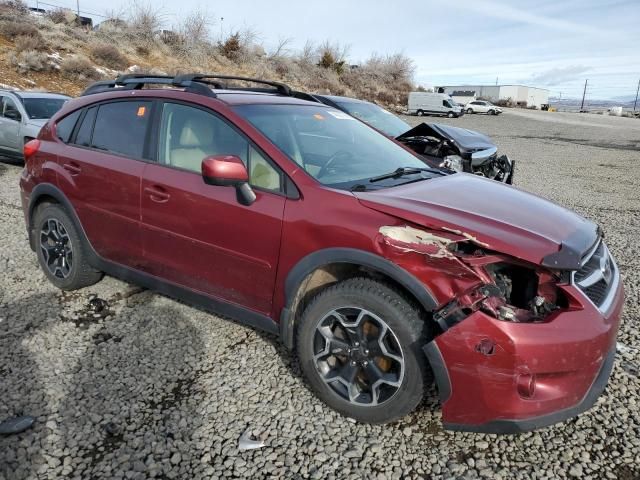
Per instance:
{"type": "Point", "coordinates": [22, 115]}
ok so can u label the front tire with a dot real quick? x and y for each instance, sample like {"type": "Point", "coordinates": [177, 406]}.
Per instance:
{"type": "Point", "coordinates": [359, 344]}
{"type": "Point", "coordinates": [451, 115]}
{"type": "Point", "coordinates": [491, 112]}
{"type": "Point", "coordinates": [61, 252]}
{"type": "Point", "coordinates": [469, 111]}
{"type": "Point", "coordinates": [420, 113]}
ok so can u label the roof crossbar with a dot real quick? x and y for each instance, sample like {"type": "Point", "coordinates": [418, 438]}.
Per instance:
{"type": "Point", "coordinates": [280, 88]}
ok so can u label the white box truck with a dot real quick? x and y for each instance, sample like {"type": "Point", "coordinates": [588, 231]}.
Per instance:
{"type": "Point", "coordinates": [428, 103]}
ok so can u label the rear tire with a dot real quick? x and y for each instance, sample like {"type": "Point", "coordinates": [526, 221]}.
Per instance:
{"type": "Point", "coordinates": [61, 252]}
{"type": "Point", "coordinates": [374, 369]}
{"type": "Point", "coordinates": [469, 111]}
{"type": "Point", "coordinates": [420, 113]}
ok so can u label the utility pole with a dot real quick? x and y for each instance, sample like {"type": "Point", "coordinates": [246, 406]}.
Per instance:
{"type": "Point", "coordinates": [636, 102]}
{"type": "Point", "coordinates": [78, 9]}
{"type": "Point", "coordinates": [583, 94]}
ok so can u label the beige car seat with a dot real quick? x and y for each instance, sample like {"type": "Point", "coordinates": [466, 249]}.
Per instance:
{"type": "Point", "coordinates": [195, 143]}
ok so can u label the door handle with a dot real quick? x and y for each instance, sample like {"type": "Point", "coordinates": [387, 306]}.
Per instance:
{"type": "Point", "coordinates": [157, 194]}
{"type": "Point", "coordinates": [73, 168]}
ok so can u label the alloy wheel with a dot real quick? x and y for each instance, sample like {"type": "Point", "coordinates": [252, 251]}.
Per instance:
{"type": "Point", "coordinates": [56, 248]}
{"type": "Point", "coordinates": [358, 356]}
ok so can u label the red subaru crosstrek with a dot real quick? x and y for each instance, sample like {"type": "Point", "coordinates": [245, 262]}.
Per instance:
{"type": "Point", "coordinates": [383, 274]}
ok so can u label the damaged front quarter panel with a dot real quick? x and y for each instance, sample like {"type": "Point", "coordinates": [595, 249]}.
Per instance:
{"type": "Point", "coordinates": [466, 276]}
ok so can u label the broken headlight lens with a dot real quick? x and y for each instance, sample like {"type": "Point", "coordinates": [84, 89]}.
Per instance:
{"type": "Point", "coordinates": [452, 162]}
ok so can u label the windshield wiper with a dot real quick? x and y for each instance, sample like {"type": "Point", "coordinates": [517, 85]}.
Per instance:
{"type": "Point", "coordinates": [400, 172]}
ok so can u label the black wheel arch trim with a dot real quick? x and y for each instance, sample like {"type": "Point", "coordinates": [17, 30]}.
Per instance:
{"type": "Point", "coordinates": [439, 368]}
{"type": "Point", "coordinates": [210, 304]}
{"type": "Point", "coordinates": [328, 256]}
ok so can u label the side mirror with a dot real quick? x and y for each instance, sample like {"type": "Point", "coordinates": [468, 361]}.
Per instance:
{"type": "Point", "coordinates": [228, 171]}
{"type": "Point", "coordinates": [13, 115]}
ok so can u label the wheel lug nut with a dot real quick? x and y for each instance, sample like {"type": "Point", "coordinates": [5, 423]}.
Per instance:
{"type": "Point", "coordinates": [353, 364]}
{"type": "Point", "coordinates": [357, 344]}
{"type": "Point", "coordinates": [365, 363]}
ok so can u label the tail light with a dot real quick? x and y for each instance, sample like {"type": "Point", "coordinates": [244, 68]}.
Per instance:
{"type": "Point", "coordinates": [30, 148]}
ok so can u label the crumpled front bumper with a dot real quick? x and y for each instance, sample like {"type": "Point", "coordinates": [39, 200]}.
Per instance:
{"type": "Point", "coordinates": [570, 356]}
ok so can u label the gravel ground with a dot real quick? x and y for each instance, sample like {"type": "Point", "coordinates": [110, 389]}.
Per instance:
{"type": "Point", "coordinates": [128, 384]}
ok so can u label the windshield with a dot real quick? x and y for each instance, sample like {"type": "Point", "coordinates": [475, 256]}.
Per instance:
{"type": "Point", "coordinates": [451, 103]}
{"type": "Point", "coordinates": [333, 147]}
{"type": "Point", "coordinates": [42, 108]}
{"type": "Point", "coordinates": [377, 117]}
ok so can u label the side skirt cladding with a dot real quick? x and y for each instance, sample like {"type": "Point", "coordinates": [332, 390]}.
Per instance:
{"type": "Point", "coordinates": [205, 302]}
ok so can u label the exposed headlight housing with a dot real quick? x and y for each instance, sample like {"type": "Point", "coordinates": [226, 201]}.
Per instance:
{"type": "Point", "coordinates": [452, 162]}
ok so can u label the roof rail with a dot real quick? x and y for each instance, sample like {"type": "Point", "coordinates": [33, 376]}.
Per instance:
{"type": "Point", "coordinates": [135, 81]}
{"type": "Point", "coordinates": [280, 88]}
{"type": "Point", "coordinates": [199, 83]}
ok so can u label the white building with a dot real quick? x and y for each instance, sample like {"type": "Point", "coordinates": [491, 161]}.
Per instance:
{"type": "Point", "coordinates": [516, 93]}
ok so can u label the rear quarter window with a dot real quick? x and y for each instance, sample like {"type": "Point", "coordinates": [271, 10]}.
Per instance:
{"type": "Point", "coordinates": [83, 138]}
{"type": "Point", "coordinates": [64, 127]}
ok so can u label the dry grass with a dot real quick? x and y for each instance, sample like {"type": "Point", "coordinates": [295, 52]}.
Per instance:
{"type": "Point", "coordinates": [30, 61]}
{"type": "Point", "coordinates": [109, 56]}
{"type": "Point", "coordinates": [133, 38]}
{"type": "Point", "coordinates": [78, 67]}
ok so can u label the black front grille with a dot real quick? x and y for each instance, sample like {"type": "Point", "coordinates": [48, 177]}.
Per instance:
{"type": "Point", "coordinates": [597, 276]}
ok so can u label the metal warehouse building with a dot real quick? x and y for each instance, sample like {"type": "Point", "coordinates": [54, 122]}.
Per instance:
{"type": "Point", "coordinates": [517, 93]}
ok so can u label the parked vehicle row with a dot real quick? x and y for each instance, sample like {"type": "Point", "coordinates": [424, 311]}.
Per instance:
{"type": "Point", "coordinates": [22, 115]}
{"type": "Point", "coordinates": [440, 145]}
{"type": "Point", "coordinates": [382, 273]}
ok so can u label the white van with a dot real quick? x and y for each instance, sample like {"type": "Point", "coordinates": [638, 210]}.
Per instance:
{"type": "Point", "coordinates": [427, 103]}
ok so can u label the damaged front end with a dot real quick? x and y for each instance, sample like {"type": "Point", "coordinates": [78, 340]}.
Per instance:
{"type": "Point", "coordinates": [516, 346]}
{"type": "Point", "coordinates": [459, 150]}
{"type": "Point", "coordinates": [506, 288]}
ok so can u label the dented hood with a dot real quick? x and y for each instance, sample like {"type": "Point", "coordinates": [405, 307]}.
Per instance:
{"type": "Point", "coordinates": [508, 220]}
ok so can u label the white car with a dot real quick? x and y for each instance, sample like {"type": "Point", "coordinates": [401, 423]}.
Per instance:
{"type": "Point", "coordinates": [481, 106]}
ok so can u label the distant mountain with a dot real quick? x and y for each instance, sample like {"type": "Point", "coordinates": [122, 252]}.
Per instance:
{"type": "Point", "coordinates": [624, 98]}
{"type": "Point", "coordinates": [593, 103]}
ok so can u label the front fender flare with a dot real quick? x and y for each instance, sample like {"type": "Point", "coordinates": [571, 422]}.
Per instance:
{"type": "Point", "coordinates": [363, 258]}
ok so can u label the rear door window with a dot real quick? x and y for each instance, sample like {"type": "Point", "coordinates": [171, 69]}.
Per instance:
{"type": "Point", "coordinates": [121, 128]}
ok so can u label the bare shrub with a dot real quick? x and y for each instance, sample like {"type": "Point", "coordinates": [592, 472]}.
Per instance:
{"type": "Point", "coordinates": [78, 66]}
{"type": "Point", "coordinates": [282, 47]}
{"type": "Point", "coordinates": [394, 67]}
{"type": "Point", "coordinates": [109, 56]}
{"type": "Point", "coordinates": [25, 43]}
{"type": "Point", "coordinates": [308, 54]}
{"type": "Point", "coordinates": [142, 50]}
{"type": "Point", "coordinates": [13, 29]}
{"type": "Point", "coordinates": [30, 61]}
{"type": "Point", "coordinates": [16, 7]}
{"type": "Point", "coordinates": [195, 28]}
{"type": "Point", "coordinates": [145, 19]}
{"type": "Point", "coordinates": [58, 15]}
{"type": "Point", "coordinates": [332, 56]}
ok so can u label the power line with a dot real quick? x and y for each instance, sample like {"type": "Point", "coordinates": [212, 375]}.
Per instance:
{"type": "Point", "coordinates": [57, 5]}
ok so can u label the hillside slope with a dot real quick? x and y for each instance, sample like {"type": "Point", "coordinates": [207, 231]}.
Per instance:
{"type": "Point", "coordinates": [51, 52]}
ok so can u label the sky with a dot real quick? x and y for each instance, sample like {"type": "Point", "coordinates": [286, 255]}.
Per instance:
{"type": "Point", "coordinates": [552, 44]}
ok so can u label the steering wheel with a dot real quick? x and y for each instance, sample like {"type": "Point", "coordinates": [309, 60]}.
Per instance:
{"type": "Point", "coordinates": [342, 155]}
